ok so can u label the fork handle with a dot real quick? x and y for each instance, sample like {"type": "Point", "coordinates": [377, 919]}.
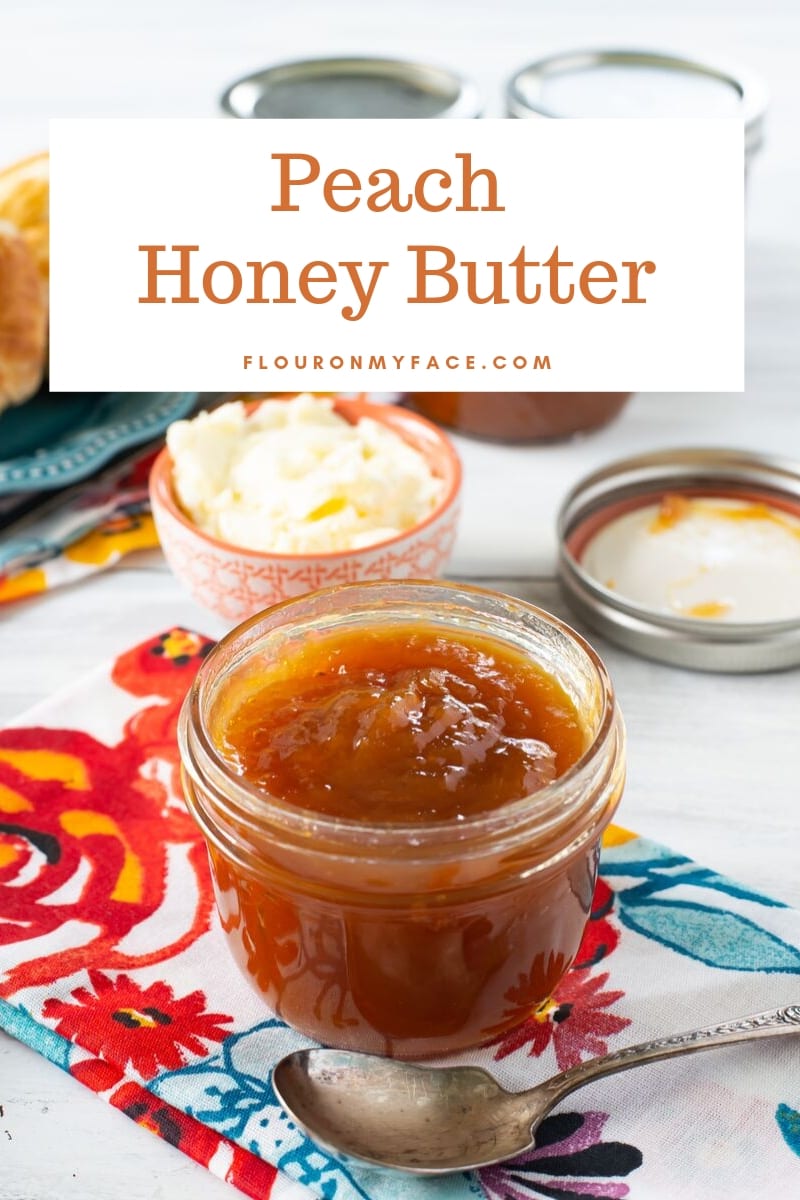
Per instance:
{"type": "Point", "coordinates": [745, 1029]}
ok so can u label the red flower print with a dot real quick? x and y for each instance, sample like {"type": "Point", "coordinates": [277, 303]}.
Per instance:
{"type": "Point", "coordinates": [146, 1027]}
{"type": "Point", "coordinates": [600, 937]}
{"type": "Point", "coordinates": [87, 831]}
{"type": "Point", "coordinates": [575, 1020]}
{"type": "Point", "coordinates": [162, 666]}
{"type": "Point", "coordinates": [247, 1172]}
{"type": "Point", "coordinates": [250, 1174]}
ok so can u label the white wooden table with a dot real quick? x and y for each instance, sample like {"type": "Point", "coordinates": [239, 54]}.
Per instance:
{"type": "Point", "coordinates": [714, 761]}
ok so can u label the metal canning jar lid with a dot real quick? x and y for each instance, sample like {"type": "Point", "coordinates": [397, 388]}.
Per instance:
{"type": "Point", "coordinates": [636, 83]}
{"type": "Point", "coordinates": [352, 87]}
{"type": "Point", "coordinates": [756, 483]}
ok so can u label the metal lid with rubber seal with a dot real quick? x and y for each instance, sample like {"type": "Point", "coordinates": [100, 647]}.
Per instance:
{"type": "Point", "coordinates": [637, 83]}
{"type": "Point", "coordinates": [352, 87]}
{"type": "Point", "coordinates": [690, 557]}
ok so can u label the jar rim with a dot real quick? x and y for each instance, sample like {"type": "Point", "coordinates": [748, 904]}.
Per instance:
{"type": "Point", "coordinates": [259, 811]}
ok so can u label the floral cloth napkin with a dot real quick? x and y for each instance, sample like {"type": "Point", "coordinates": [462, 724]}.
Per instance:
{"type": "Point", "coordinates": [113, 966]}
{"type": "Point", "coordinates": [88, 533]}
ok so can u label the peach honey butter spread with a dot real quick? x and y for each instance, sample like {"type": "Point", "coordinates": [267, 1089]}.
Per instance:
{"type": "Point", "coordinates": [402, 725]}
{"type": "Point", "coordinates": [372, 881]}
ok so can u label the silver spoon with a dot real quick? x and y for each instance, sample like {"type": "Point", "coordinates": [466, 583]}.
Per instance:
{"type": "Point", "coordinates": [431, 1120]}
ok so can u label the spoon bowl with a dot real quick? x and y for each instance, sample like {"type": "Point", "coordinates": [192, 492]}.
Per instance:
{"type": "Point", "coordinates": [388, 1113]}
{"type": "Point", "coordinates": [434, 1120]}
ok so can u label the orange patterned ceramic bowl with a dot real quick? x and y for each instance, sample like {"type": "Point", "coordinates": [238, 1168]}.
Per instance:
{"type": "Point", "coordinates": [235, 582]}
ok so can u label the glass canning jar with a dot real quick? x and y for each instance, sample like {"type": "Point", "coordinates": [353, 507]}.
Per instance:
{"type": "Point", "coordinates": [520, 416]}
{"type": "Point", "coordinates": [407, 940]}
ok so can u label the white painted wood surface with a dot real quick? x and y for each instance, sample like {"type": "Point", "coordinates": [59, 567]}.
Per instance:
{"type": "Point", "coordinates": [714, 761]}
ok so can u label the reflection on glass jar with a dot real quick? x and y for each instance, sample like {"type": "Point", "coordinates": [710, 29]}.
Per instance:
{"type": "Point", "coordinates": [399, 939]}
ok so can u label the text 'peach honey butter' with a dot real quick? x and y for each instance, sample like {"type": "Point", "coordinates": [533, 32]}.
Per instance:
{"type": "Point", "coordinates": [403, 787]}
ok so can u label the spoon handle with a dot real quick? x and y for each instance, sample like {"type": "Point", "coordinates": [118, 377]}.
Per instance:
{"type": "Point", "coordinates": [766, 1024]}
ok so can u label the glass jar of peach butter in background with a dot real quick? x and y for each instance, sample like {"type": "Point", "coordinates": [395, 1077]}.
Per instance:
{"type": "Point", "coordinates": [520, 416]}
{"type": "Point", "coordinates": [426, 931]}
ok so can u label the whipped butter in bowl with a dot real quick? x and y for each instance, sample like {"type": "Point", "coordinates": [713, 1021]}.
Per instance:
{"type": "Point", "coordinates": [689, 556]}
{"type": "Point", "coordinates": [295, 477]}
{"type": "Point", "coordinates": [261, 500]}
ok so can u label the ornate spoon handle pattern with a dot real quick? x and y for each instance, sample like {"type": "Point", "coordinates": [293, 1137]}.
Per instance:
{"type": "Point", "coordinates": [765, 1024]}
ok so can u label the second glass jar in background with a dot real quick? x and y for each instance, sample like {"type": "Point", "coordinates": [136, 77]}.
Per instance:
{"type": "Point", "coordinates": [520, 416]}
